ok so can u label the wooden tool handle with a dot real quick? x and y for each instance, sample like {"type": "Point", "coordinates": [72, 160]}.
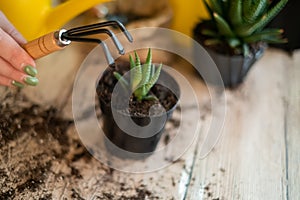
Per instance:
{"type": "Point", "coordinates": [44, 45]}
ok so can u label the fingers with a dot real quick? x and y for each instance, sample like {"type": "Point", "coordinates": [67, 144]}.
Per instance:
{"type": "Point", "coordinates": [5, 81]}
{"type": "Point", "coordinates": [10, 29]}
{"type": "Point", "coordinates": [13, 53]}
{"type": "Point", "coordinates": [15, 63]}
{"type": "Point", "coordinates": [16, 66]}
{"type": "Point", "coordinates": [10, 83]}
{"type": "Point", "coordinates": [10, 74]}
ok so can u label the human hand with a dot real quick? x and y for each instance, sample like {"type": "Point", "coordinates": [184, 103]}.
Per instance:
{"type": "Point", "coordinates": [16, 66]}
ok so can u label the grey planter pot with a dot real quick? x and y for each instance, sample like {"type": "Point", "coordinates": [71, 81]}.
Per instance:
{"type": "Point", "coordinates": [233, 68]}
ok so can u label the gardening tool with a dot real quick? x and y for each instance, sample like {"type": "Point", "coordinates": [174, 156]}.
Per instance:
{"type": "Point", "coordinates": [58, 40]}
{"type": "Point", "coordinates": [34, 18]}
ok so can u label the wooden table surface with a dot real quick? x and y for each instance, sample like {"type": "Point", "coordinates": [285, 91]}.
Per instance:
{"type": "Point", "coordinates": [256, 157]}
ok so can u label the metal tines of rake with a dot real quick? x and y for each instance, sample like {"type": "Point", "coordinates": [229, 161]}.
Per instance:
{"type": "Point", "coordinates": [79, 34]}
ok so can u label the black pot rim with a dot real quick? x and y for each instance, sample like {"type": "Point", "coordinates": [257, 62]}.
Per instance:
{"type": "Point", "coordinates": [108, 105]}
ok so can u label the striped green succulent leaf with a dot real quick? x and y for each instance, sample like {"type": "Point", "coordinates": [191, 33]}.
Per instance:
{"type": "Point", "coordinates": [254, 11]}
{"type": "Point", "coordinates": [264, 35]}
{"type": "Point", "coordinates": [275, 40]}
{"type": "Point", "coordinates": [235, 12]}
{"type": "Point", "coordinates": [142, 78]}
{"type": "Point", "coordinates": [122, 81]}
{"type": "Point", "coordinates": [260, 23]}
{"type": "Point", "coordinates": [140, 93]}
{"type": "Point", "coordinates": [135, 72]}
{"type": "Point", "coordinates": [246, 7]}
{"type": "Point", "coordinates": [154, 78]}
{"type": "Point", "coordinates": [223, 26]}
{"type": "Point", "coordinates": [241, 22]}
{"type": "Point", "coordinates": [147, 69]}
{"type": "Point", "coordinates": [137, 59]}
{"type": "Point", "coordinates": [216, 6]}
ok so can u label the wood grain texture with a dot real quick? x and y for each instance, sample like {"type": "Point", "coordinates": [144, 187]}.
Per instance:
{"type": "Point", "coordinates": [65, 169]}
{"type": "Point", "coordinates": [249, 162]}
{"type": "Point", "coordinates": [292, 132]}
{"type": "Point", "coordinates": [97, 181]}
{"type": "Point", "coordinates": [257, 156]}
{"type": "Point", "coordinates": [171, 181]}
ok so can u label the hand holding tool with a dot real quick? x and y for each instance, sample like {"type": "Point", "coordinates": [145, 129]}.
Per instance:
{"type": "Point", "coordinates": [58, 40]}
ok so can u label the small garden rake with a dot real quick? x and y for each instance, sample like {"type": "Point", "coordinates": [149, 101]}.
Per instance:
{"type": "Point", "coordinates": [58, 40]}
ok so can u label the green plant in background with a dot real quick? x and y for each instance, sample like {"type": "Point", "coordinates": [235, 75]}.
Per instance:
{"type": "Point", "coordinates": [142, 77]}
{"type": "Point", "coordinates": [239, 23]}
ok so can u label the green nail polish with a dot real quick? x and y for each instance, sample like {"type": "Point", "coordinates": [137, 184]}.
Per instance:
{"type": "Point", "coordinates": [30, 70]}
{"type": "Point", "coordinates": [31, 81]}
{"type": "Point", "coordinates": [17, 84]}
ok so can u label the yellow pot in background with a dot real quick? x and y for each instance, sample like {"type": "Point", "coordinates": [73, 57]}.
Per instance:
{"type": "Point", "coordinates": [186, 14]}
{"type": "Point", "coordinates": [34, 18]}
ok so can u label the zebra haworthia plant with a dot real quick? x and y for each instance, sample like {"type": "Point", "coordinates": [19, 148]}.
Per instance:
{"type": "Point", "coordinates": [142, 77]}
{"type": "Point", "coordinates": [242, 22]}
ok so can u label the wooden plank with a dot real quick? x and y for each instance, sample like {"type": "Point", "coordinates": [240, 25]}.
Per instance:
{"type": "Point", "coordinates": [53, 165]}
{"type": "Point", "coordinates": [293, 129]}
{"type": "Point", "coordinates": [249, 160]}
{"type": "Point", "coordinates": [43, 162]}
{"type": "Point", "coordinates": [71, 177]}
{"type": "Point", "coordinates": [167, 183]}
{"type": "Point", "coordinates": [39, 164]}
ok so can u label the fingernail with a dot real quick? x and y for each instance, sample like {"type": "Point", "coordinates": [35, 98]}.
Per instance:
{"type": "Point", "coordinates": [32, 71]}
{"type": "Point", "coordinates": [33, 81]}
{"type": "Point", "coordinates": [17, 84]}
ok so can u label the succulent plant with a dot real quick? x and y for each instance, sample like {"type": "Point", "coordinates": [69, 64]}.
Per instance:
{"type": "Point", "coordinates": [239, 23]}
{"type": "Point", "coordinates": [142, 77]}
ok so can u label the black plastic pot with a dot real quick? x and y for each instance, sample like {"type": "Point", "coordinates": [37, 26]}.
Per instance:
{"type": "Point", "coordinates": [144, 141]}
{"type": "Point", "coordinates": [287, 19]}
{"type": "Point", "coordinates": [233, 68]}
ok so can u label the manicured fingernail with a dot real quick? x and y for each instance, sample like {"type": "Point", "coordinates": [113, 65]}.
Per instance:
{"type": "Point", "coordinates": [33, 81]}
{"type": "Point", "coordinates": [32, 71]}
{"type": "Point", "coordinates": [17, 84]}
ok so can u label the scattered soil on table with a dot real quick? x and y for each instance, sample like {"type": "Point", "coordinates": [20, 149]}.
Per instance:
{"type": "Point", "coordinates": [42, 158]}
{"type": "Point", "coordinates": [222, 170]}
{"type": "Point", "coordinates": [28, 134]}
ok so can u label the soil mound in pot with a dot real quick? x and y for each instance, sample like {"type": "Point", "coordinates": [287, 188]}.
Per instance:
{"type": "Point", "coordinates": [138, 111]}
